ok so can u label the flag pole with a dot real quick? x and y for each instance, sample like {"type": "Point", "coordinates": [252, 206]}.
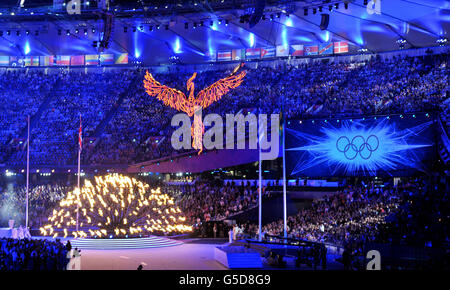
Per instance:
{"type": "Point", "coordinates": [284, 180]}
{"type": "Point", "coordinates": [28, 171]}
{"type": "Point", "coordinates": [79, 173]}
{"type": "Point", "coordinates": [260, 193]}
{"type": "Point", "coordinates": [260, 176]}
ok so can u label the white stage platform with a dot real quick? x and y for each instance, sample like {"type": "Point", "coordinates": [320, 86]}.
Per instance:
{"type": "Point", "coordinates": [238, 257]}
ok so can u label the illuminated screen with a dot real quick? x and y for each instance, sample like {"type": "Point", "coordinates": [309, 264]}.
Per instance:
{"type": "Point", "coordinates": [372, 146]}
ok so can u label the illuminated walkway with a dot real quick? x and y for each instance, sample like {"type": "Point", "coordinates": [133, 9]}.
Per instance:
{"type": "Point", "coordinates": [183, 257]}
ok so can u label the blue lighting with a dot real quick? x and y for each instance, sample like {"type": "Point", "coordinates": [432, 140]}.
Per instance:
{"type": "Point", "coordinates": [355, 148]}
{"type": "Point", "coordinates": [177, 46]}
{"type": "Point", "coordinates": [251, 40]}
{"type": "Point", "coordinates": [27, 48]}
{"type": "Point", "coordinates": [284, 38]}
{"type": "Point", "coordinates": [288, 22]}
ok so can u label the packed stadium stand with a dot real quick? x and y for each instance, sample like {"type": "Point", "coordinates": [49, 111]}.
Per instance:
{"type": "Point", "coordinates": [87, 123]}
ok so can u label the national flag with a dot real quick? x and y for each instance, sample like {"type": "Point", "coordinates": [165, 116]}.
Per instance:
{"type": "Point", "coordinates": [27, 61]}
{"type": "Point", "coordinates": [224, 55]}
{"type": "Point", "coordinates": [91, 59]}
{"type": "Point", "coordinates": [296, 49]}
{"type": "Point", "coordinates": [16, 61]}
{"type": "Point", "coordinates": [311, 50]}
{"type": "Point", "coordinates": [4, 60]}
{"type": "Point", "coordinates": [48, 60]}
{"type": "Point", "coordinates": [326, 48]}
{"type": "Point", "coordinates": [80, 136]}
{"type": "Point", "coordinates": [341, 47]}
{"type": "Point", "coordinates": [238, 54]}
{"type": "Point", "coordinates": [31, 61]}
{"type": "Point", "coordinates": [106, 59]}
{"type": "Point", "coordinates": [282, 50]}
{"type": "Point", "coordinates": [253, 53]}
{"type": "Point", "coordinates": [267, 52]}
{"type": "Point", "coordinates": [121, 58]}
{"type": "Point", "coordinates": [63, 59]}
{"type": "Point", "coordinates": [77, 60]}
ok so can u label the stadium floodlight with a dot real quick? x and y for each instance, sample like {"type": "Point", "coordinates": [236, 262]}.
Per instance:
{"type": "Point", "coordinates": [441, 41]}
{"type": "Point", "coordinates": [401, 42]}
{"type": "Point", "coordinates": [362, 50]}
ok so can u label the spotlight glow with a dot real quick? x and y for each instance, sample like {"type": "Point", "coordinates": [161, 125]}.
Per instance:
{"type": "Point", "coordinates": [354, 147]}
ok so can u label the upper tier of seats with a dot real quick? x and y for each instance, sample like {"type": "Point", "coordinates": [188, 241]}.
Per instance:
{"type": "Point", "coordinates": [116, 110]}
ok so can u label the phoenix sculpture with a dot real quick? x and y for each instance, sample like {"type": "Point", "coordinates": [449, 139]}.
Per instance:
{"type": "Point", "coordinates": [190, 105]}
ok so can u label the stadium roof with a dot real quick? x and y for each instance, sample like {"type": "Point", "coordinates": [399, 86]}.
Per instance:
{"type": "Point", "coordinates": [50, 30]}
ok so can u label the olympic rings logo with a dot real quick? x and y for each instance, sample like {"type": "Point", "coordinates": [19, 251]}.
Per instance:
{"type": "Point", "coordinates": [357, 146]}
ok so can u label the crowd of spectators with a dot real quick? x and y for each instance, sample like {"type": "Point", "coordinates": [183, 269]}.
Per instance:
{"type": "Point", "coordinates": [413, 212]}
{"type": "Point", "coordinates": [32, 254]}
{"type": "Point", "coordinates": [42, 200]}
{"type": "Point", "coordinates": [354, 212]}
{"type": "Point", "coordinates": [21, 93]}
{"type": "Point", "coordinates": [200, 201]}
{"type": "Point", "coordinates": [91, 96]}
{"type": "Point", "coordinates": [204, 201]}
{"type": "Point", "coordinates": [398, 85]}
{"type": "Point", "coordinates": [377, 86]}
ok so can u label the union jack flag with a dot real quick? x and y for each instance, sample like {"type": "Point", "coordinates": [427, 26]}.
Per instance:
{"type": "Point", "coordinates": [80, 136]}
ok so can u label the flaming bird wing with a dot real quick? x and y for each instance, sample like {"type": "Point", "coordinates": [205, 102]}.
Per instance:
{"type": "Point", "coordinates": [171, 97]}
{"type": "Point", "coordinates": [215, 91]}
